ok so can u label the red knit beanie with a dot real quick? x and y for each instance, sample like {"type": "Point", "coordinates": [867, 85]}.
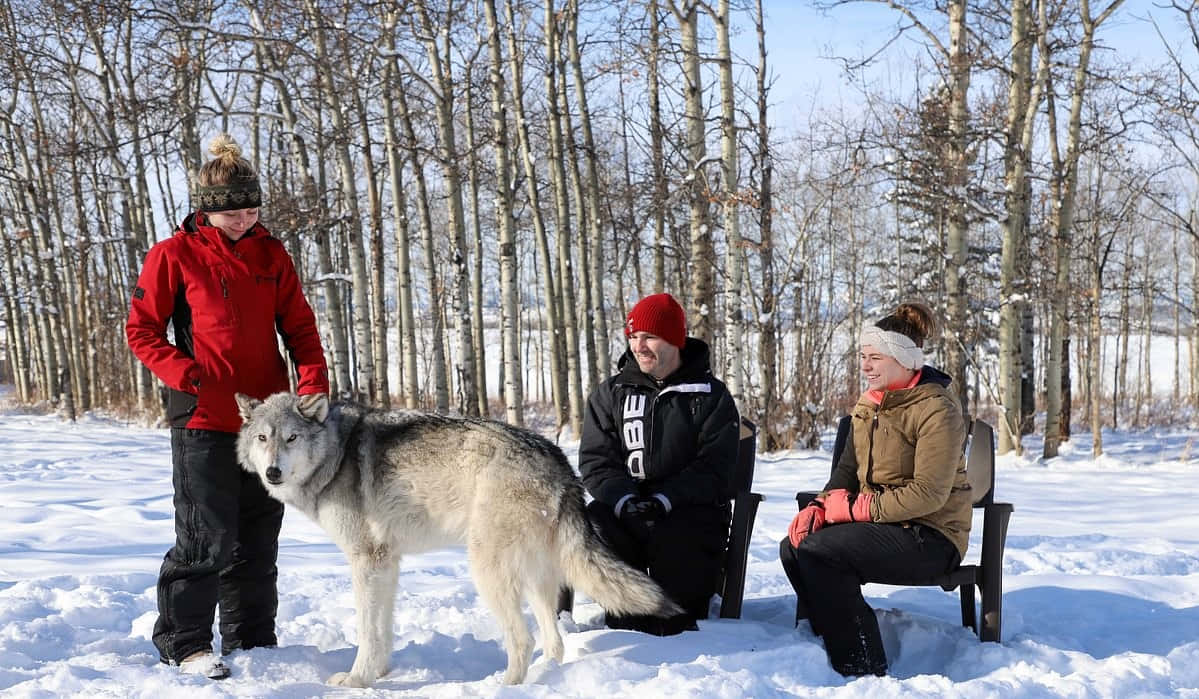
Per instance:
{"type": "Point", "coordinates": [661, 315]}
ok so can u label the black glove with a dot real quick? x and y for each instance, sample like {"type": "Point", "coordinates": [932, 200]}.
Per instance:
{"type": "Point", "coordinates": [640, 514]}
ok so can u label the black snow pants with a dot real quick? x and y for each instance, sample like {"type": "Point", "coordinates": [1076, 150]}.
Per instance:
{"type": "Point", "coordinates": [684, 553]}
{"type": "Point", "coordinates": [829, 568]}
{"type": "Point", "coordinates": [226, 544]}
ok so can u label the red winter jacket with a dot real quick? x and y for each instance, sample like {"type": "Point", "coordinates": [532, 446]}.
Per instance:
{"type": "Point", "coordinates": [226, 301]}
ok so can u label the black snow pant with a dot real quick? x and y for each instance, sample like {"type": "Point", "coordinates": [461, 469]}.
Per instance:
{"type": "Point", "coordinates": [226, 545]}
{"type": "Point", "coordinates": [684, 553]}
{"type": "Point", "coordinates": [829, 568]}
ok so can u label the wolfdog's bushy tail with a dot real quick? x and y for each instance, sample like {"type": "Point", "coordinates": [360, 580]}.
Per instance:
{"type": "Point", "coordinates": [592, 568]}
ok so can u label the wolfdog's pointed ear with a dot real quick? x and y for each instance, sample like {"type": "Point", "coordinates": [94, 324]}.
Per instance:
{"type": "Point", "coordinates": [246, 405]}
{"type": "Point", "coordinates": [313, 406]}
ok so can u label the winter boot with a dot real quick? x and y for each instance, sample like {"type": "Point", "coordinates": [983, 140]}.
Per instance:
{"type": "Point", "coordinates": [205, 664]}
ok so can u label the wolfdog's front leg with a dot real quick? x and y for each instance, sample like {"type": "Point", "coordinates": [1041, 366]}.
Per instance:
{"type": "Point", "coordinates": [374, 577]}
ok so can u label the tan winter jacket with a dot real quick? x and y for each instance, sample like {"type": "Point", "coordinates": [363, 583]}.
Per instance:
{"type": "Point", "coordinates": [907, 452]}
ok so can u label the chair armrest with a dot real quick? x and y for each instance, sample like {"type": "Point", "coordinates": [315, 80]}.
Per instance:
{"type": "Point", "coordinates": [803, 498]}
{"type": "Point", "coordinates": [745, 511]}
{"type": "Point", "coordinates": [995, 522]}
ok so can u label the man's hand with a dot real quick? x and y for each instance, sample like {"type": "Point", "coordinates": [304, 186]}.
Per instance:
{"type": "Point", "coordinates": [640, 514]}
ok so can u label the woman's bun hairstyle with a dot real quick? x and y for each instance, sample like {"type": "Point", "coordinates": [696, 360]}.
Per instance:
{"type": "Point", "coordinates": [912, 319]}
{"type": "Point", "coordinates": [224, 147]}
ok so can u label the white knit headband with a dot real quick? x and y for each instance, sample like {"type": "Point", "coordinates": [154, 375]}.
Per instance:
{"type": "Point", "coordinates": [894, 344]}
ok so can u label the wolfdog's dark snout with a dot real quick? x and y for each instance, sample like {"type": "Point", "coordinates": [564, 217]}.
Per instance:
{"type": "Point", "coordinates": [274, 476]}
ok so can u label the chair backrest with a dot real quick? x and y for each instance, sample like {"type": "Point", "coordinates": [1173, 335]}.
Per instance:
{"type": "Point", "coordinates": [980, 463]}
{"type": "Point", "coordinates": [844, 430]}
{"type": "Point", "coordinates": [980, 456]}
{"type": "Point", "coordinates": [743, 476]}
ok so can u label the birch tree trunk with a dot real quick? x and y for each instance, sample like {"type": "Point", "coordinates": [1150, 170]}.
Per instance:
{"type": "Point", "coordinates": [1015, 162]}
{"type": "Point", "coordinates": [440, 388]}
{"type": "Point", "coordinates": [509, 278]}
{"type": "Point", "coordinates": [702, 295]}
{"type": "Point", "coordinates": [472, 181]}
{"type": "Point", "coordinates": [1095, 370]}
{"type": "Point", "coordinates": [34, 201]}
{"type": "Point", "coordinates": [1176, 279]}
{"type": "Point", "coordinates": [734, 322]}
{"type": "Point", "coordinates": [134, 214]}
{"type": "Point", "coordinates": [568, 283]}
{"type": "Point", "coordinates": [552, 310]}
{"type": "Point", "coordinates": [1194, 337]}
{"type": "Point", "coordinates": [1145, 382]}
{"type": "Point", "coordinates": [595, 325]}
{"type": "Point", "coordinates": [81, 320]}
{"type": "Point", "coordinates": [360, 311]}
{"type": "Point", "coordinates": [958, 171]}
{"type": "Point", "coordinates": [567, 327]}
{"type": "Point", "coordinates": [1120, 387]}
{"type": "Point", "coordinates": [379, 392]}
{"type": "Point", "coordinates": [768, 324]}
{"type": "Point", "coordinates": [1064, 184]}
{"type": "Point", "coordinates": [399, 205]}
{"type": "Point", "coordinates": [14, 320]}
{"type": "Point", "coordinates": [447, 154]}
{"type": "Point", "coordinates": [657, 161]}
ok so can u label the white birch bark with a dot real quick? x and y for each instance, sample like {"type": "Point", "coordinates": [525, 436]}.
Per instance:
{"type": "Point", "coordinates": [552, 311]}
{"type": "Point", "coordinates": [399, 205]}
{"type": "Point", "coordinates": [440, 387]}
{"type": "Point", "coordinates": [439, 58]}
{"type": "Point", "coordinates": [1064, 184]}
{"type": "Point", "coordinates": [768, 323]}
{"type": "Point", "coordinates": [595, 326]}
{"type": "Point", "coordinates": [702, 295]}
{"type": "Point", "coordinates": [734, 321]}
{"type": "Point", "coordinates": [1023, 98]}
{"type": "Point", "coordinates": [472, 180]}
{"type": "Point", "coordinates": [509, 293]}
{"type": "Point", "coordinates": [567, 329]}
{"type": "Point", "coordinates": [364, 355]}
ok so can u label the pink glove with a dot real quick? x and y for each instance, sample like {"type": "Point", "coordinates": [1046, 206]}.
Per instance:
{"type": "Point", "coordinates": [807, 521]}
{"type": "Point", "coordinates": [841, 505]}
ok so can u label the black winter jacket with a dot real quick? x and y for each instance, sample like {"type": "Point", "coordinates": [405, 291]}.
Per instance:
{"type": "Point", "coordinates": [676, 438]}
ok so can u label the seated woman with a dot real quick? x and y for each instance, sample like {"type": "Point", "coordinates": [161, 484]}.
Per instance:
{"type": "Point", "coordinates": [897, 506]}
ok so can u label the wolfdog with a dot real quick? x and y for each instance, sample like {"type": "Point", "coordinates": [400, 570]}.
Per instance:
{"type": "Point", "coordinates": [383, 484]}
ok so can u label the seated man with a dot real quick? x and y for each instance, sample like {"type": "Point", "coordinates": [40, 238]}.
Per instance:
{"type": "Point", "coordinates": [658, 452]}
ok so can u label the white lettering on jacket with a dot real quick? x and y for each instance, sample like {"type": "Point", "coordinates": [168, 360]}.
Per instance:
{"type": "Point", "coordinates": [633, 433]}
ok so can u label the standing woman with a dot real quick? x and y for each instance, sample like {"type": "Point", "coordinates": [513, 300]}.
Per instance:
{"type": "Point", "coordinates": [229, 289]}
{"type": "Point", "coordinates": [897, 506]}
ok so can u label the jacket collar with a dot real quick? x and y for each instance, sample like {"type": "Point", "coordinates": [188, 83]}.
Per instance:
{"type": "Point", "coordinates": [932, 380]}
{"type": "Point", "coordinates": [197, 223]}
{"type": "Point", "coordinates": [695, 366]}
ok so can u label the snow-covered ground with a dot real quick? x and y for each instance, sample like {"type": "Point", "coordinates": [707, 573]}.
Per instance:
{"type": "Point", "coordinates": [1102, 592]}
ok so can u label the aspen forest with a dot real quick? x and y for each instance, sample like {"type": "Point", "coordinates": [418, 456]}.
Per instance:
{"type": "Point", "coordinates": [475, 192]}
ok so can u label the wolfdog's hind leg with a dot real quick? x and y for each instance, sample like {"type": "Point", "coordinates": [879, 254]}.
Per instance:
{"type": "Point", "coordinates": [498, 579]}
{"type": "Point", "coordinates": [543, 586]}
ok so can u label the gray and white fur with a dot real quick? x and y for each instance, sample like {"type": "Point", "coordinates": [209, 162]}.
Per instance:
{"type": "Point", "coordinates": [383, 484]}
